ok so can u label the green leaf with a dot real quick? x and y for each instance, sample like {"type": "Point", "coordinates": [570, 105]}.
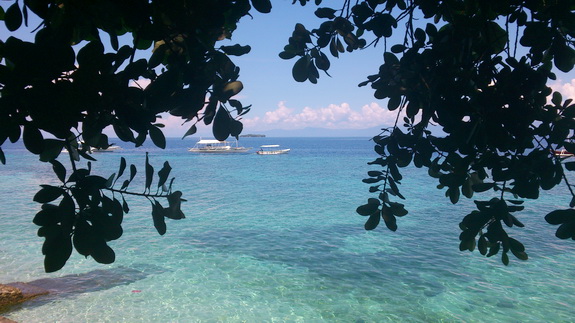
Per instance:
{"type": "Point", "coordinates": [52, 149]}
{"type": "Point", "coordinates": [122, 167]}
{"type": "Point", "coordinates": [13, 17]}
{"type": "Point", "coordinates": [236, 50]}
{"type": "Point", "coordinates": [33, 140]}
{"type": "Point", "coordinates": [158, 217]}
{"type": "Point", "coordinates": [164, 173]}
{"type": "Point", "coordinates": [482, 245]}
{"type": "Point", "coordinates": [505, 258]}
{"type": "Point", "coordinates": [110, 180]}
{"type": "Point", "coordinates": [564, 57]}
{"type": "Point", "coordinates": [367, 209]}
{"type": "Point", "coordinates": [482, 187]}
{"type": "Point", "coordinates": [231, 89]}
{"type": "Point", "coordinates": [325, 12]}
{"type": "Point", "coordinates": [372, 222]}
{"type": "Point", "coordinates": [453, 193]}
{"type": "Point", "coordinates": [287, 54]}
{"type": "Point", "coordinates": [300, 69]}
{"type": "Point", "coordinates": [263, 6]}
{"type": "Point", "coordinates": [84, 238]}
{"type": "Point", "coordinates": [149, 173]}
{"type": "Point", "coordinates": [493, 250]}
{"type": "Point", "coordinates": [566, 230]}
{"type": "Point", "coordinates": [560, 216]}
{"type": "Point", "coordinates": [133, 172]}
{"type": "Point", "coordinates": [398, 49]}
{"type": "Point", "coordinates": [57, 247]}
{"type": "Point", "coordinates": [49, 215]}
{"type": "Point", "coordinates": [193, 129]}
{"type": "Point", "coordinates": [389, 219]}
{"type": "Point", "coordinates": [157, 137]}
{"type": "Point", "coordinates": [59, 170]}
{"type": "Point", "coordinates": [48, 194]}
{"type": "Point", "coordinates": [123, 132]}
{"type": "Point", "coordinates": [158, 56]}
{"type": "Point", "coordinates": [103, 254]}
{"type": "Point", "coordinates": [221, 127]}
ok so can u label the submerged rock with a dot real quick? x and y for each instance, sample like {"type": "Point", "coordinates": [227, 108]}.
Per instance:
{"type": "Point", "coordinates": [16, 293]}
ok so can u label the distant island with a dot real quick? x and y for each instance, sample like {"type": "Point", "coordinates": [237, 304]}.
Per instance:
{"type": "Point", "coordinates": [252, 135]}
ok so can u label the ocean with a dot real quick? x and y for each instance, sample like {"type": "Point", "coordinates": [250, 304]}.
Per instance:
{"type": "Point", "coordinates": [276, 239]}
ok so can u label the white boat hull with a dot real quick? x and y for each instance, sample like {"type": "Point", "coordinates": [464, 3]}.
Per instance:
{"type": "Point", "coordinates": [273, 152]}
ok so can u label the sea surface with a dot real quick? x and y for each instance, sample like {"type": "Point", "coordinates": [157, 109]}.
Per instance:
{"type": "Point", "coordinates": [277, 239]}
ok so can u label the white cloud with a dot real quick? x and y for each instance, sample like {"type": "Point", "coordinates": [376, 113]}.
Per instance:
{"type": "Point", "coordinates": [334, 116]}
{"type": "Point", "coordinates": [567, 90]}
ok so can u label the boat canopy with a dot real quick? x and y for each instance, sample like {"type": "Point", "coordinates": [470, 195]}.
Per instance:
{"type": "Point", "coordinates": [269, 146]}
{"type": "Point", "coordinates": [209, 141]}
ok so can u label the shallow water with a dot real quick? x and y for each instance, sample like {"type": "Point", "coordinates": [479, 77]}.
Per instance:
{"type": "Point", "coordinates": [277, 239]}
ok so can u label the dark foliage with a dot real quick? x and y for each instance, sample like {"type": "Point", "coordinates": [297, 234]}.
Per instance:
{"type": "Point", "coordinates": [81, 74]}
{"type": "Point", "coordinates": [469, 82]}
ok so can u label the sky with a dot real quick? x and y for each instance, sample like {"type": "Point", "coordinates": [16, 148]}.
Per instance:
{"type": "Point", "coordinates": [336, 106]}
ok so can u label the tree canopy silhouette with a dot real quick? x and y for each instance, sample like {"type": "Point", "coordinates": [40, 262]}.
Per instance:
{"type": "Point", "coordinates": [468, 79]}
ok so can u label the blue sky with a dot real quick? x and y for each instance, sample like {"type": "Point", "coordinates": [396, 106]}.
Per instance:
{"type": "Point", "coordinates": [336, 105]}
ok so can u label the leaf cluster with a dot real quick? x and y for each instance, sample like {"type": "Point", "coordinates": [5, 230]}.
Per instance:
{"type": "Point", "coordinates": [469, 81]}
{"type": "Point", "coordinates": [61, 90]}
{"type": "Point", "coordinates": [78, 214]}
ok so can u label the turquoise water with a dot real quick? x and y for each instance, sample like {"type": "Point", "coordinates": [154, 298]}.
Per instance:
{"type": "Point", "coordinates": [277, 239]}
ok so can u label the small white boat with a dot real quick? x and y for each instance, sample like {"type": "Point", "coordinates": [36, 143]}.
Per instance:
{"type": "Point", "coordinates": [563, 153]}
{"type": "Point", "coordinates": [272, 150]}
{"type": "Point", "coordinates": [110, 148]}
{"type": "Point", "coordinates": [216, 146]}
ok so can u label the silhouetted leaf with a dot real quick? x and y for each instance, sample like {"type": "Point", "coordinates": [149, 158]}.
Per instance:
{"type": "Point", "coordinates": [13, 17]}
{"type": "Point", "coordinates": [236, 50]}
{"type": "Point", "coordinates": [193, 129]}
{"type": "Point", "coordinates": [122, 167]}
{"type": "Point", "coordinates": [56, 249]}
{"type": "Point", "coordinates": [494, 249]}
{"type": "Point", "coordinates": [505, 259]}
{"type": "Point", "coordinates": [560, 216]}
{"type": "Point", "coordinates": [372, 222]}
{"type": "Point", "coordinates": [157, 137]}
{"type": "Point", "coordinates": [231, 89]}
{"type": "Point", "coordinates": [566, 230]}
{"type": "Point", "coordinates": [110, 180]}
{"type": "Point", "coordinates": [103, 254]}
{"type": "Point", "coordinates": [59, 170]}
{"type": "Point", "coordinates": [221, 127]}
{"type": "Point", "coordinates": [49, 215]}
{"type": "Point", "coordinates": [370, 208]}
{"type": "Point", "coordinates": [48, 194]}
{"type": "Point", "coordinates": [300, 69]}
{"type": "Point", "coordinates": [149, 173]}
{"type": "Point", "coordinates": [482, 187]}
{"type": "Point", "coordinates": [164, 173]}
{"type": "Point", "coordinates": [482, 245]}
{"type": "Point", "coordinates": [325, 12]}
{"type": "Point", "coordinates": [389, 219]}
{"type": "Point", "coordinates": [33, 139]}
{"type": "Point", "coordinates": [52, 148]}
{"type": "Point", "coordinates": [263, 6]}
{"type": "Point", "coordinates": [174, 210]}
{"type": "Point", "coordinates": [2, 157]}
{"type": "Point", "coordinates": [158, 217]}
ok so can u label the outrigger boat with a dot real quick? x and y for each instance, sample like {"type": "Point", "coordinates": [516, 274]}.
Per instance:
{"type": "Point", "coordinates": [271, 150]}
{"type": "Point", "coordinates": [217, 146]}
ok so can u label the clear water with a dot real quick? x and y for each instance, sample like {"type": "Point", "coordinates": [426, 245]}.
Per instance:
{"type": "Point", "coordinates": [277, 239]}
